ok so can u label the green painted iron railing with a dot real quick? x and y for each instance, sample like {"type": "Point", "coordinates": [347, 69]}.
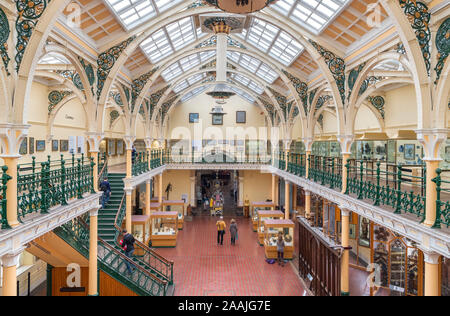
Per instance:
{"type": "Point", "coordinates": [442, 207]}
{"type": "Point", "coordinates": [41, 186]}
{"type": "Point", "coordinates": [140, 164]}
{"type": "Point", "coordinates": [158, 265]}
{"type": "Point", "coordinates": [3, 201]}
{"type": "Point", "coordinates": [326, 170]}
{"type": "Point", "coordinates": [103, 173]}
{"type": "Point", "coordinates": [297, 164]}
{"type": "Point", "coordinates": [222, 157]}
{"type": "Point", "coordinates": [111, 260]}
{"type": "Point", "coordinates": [397, 188]}
{"type": "Point", "coordinates": [156, 159]}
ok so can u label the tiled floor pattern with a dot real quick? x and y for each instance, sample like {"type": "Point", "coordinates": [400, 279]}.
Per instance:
{"type": "Point", "coordinates": [202, 268]}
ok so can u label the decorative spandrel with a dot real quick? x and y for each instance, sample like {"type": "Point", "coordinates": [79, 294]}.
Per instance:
{"type": "Point", "coordinates": [367, 83]}
{"type": "Point", "coordinates": [336, 66]}
{"type": "Point", "coordinates": [378, 103]}
{"type": "Point", "coordinates": [89, 70]}
{"type": "Point", "coordinates": [301, 88]}
{"type": "Point", "coordinates": [55, 97]}
{"type": "Point", "coordinates": [269, 108]}
{"type": "Point", "coordinates": [352, 77]}
{"type": "Point", "coordinates": [165, 108]}
{"type": "Point", "coordinates": [155, 98]}
{"type": "Point", "coordinates": [281, 100]}
{"type": "Point", "coordinates": [139, 84]}
{"type": "Point", "coordinates": [116, 97]}
{"type": "Point", "coordinates": [320, 120]}
{"type": "Point", "coordinates": [29, 13]}
{"type": "Point", "coordinates": [419, 17]}
{"type": "Point", "coordinates": [4, 36]}
{"type": "Point", "coordinates": [113, 116]}
{"type": "Point", "coordinates": [443, 47]}
{"type": "Point", "coordinates": [106, 62]}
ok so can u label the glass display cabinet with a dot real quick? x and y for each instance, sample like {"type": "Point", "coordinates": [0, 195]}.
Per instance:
{"type": "Point", "coordinates": [141, 228]}
{"type": "Point", "coordinates": [272, 227]}
{"type": "Point", "coordinates": [262, 217]}
{"type": "Point", "coordinates": [259, 206]}
{"type": "Point", "coordinates": [155, 207]}
{"type": "Point", "coordinates": [176, 206]}
{"type": "Point", "coordinates": [164, 229]}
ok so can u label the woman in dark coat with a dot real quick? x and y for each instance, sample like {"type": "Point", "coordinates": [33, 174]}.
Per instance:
{"type": "Point", "coordinates": [233, 231]}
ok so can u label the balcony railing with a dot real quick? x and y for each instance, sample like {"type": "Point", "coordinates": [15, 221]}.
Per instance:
{"type": "Point", "coordinates": [3, 201]}
{"type": "Point", "coordinates": [140, 164]}
{"type": "Point", "coordinates": [41, 186]}
{"type": "Point", "coordinates": [442, 207]}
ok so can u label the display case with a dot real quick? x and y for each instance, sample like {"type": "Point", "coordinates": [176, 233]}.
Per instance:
{"type": "Point", "coordinates": [262, 217]}
{"type": "Point", "coordinates": [164, 229]}
{"type": "Point", "coordinates": [259, 206]}
{"type": "Point", "coordinates": [272, 228]}
{"type": "Point", "coordinates": [155, 207]}
{"type": "Point", "coordinates": [141, 228]}
{"type": "Point", "coordinates": [176, 206]}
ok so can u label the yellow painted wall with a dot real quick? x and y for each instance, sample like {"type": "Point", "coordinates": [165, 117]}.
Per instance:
{"type": "Point", "coordinates": [181, 184]}
{"type": "Point", "coordinates": [257, 185]}
{"type": "Point", "coordinates": [366, 120]}
{"type": "Point", "coordinates": [329, 123]}
{"type": "Point", "coordinates": [400, 109]}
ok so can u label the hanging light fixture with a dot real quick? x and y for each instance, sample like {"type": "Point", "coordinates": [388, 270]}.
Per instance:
{"type": "Point", "coordinates": [241, 6]}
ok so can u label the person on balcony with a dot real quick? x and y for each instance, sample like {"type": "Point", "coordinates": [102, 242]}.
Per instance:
{"type": "Point", "coordinates": [128, 246]}
{"type": "Point", "coordinates": [133, 154]}
{"type": "Point", "coordinates": [105, 186]}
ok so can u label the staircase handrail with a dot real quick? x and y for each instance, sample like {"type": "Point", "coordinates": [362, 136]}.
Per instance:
{"type": "Point", "coordinates": [102, 172]}
{"type": "Point", "coordinates": [167, 263]}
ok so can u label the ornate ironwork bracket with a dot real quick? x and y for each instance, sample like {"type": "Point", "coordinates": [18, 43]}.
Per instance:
{"type": "Point", "coordinates": [55, 97]}
{"type": "Point", "coordinates": [4, 36]}
{"type": "Point", "coordinates": [443, 47]}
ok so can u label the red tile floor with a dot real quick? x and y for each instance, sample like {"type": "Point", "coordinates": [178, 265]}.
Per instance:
{"type": "Point", "coordinates": [202, 268]}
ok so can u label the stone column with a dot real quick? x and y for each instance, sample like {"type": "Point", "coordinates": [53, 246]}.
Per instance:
{"type": "Point", "coordinates": [11, 137]}
{"type": "Point", "coordinates": [346, 142]}
{"type": "Point", "coordinates": [431, 139]}
{"type": "Point", "coordinates": [9, 266]}
{"type": "Point", "coordinates": [307, 204]}
{"type": "Point", "coordinates": [273, 187]}
{"type": "Point", "coordinates": [193, 197]}
{"type": "Point", "coordinates": [129, 207]}
{"type": "Point", "coordinates": [432, 277]}
{"type": "Point", "coordinates": [308, 141]}
{"type": "Point", "coordinates": [241, 190]}
{"type": "Point", "coordinates": [345, 259]}
{"type": "Point", "coordinates": [160, 191]}
{"type": "Point", "coordinates": [129, 141]}
{"type": "Point", "coordinates": [94, 140]}
{"type": "Point", "coordinates": [148, 147]}
{"type": "Point", "coordinates": [93, 253]}
{"type": "Point", "coordinates": [147, 197]}
{"type": "Point", "coordinates": [287, 203]}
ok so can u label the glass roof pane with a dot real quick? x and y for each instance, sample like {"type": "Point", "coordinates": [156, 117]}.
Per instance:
{"type": "Point", "coordinates": [246, 82]}
{"type": "Point", "coordinates": [193, 93]}
{"type": "Point", "coordinates": [254, 65]}
{"type": "Point", "coordinates": [132, 12]}
{"type": "Point", "coordinates": [185, 64]}
{"type": "Point", "coordinates": [243, 94]}
{"type": "Point", "coordinates": [315, 15]}
{"type": "Point", "coordinates": [54, 59]}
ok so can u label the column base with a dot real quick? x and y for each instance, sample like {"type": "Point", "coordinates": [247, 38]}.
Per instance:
{"type": "Point", "coordinates": [345, 293]}
{"type": "Point", "coordinates": [93, 294]}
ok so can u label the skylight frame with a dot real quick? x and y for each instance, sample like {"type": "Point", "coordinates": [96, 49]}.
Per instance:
{"type": "Point", "coordinates": [53, 58]}
{"type": "Point", "coordinates": [189, 82]}
{"type": "Point", "coordinates": [247, 82]}
{"type": "Point", "coordinates": [295, 10]}
{"type": "Point", "coordinates": [254, 65]}
{"type": "Point", "coordinates": [192, 94]}
{"type": "Point", "coordinates": [186, 64]}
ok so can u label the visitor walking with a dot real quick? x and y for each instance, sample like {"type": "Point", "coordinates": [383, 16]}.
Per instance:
{"type": "Point", "coordinates": [233, 232]}
{"type": "Point", "coordinates": [280, 249]}
{"type": "Point", "coordinates": [128, 247]}
{"type": "Point", "coordinates": [105, 186]}
{"type": "Point", "coordinates": [221, 226]}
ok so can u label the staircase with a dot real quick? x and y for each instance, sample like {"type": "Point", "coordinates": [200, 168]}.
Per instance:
{"type": "Point", "coordinates": [153, 275]}
{"type": "Point", "coordinates": [107, 216]}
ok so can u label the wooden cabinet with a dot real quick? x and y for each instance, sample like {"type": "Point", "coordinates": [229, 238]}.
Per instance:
{"type": "Point", "coordinates": [272, 228]}
{"type": "Point", "coordinates": [176, 206]}
{"type": "Point", "coordinates": [255, 206]}
{"type": "Point", "coordinates": [164, 229]}
{"type": "Point", "coordinates": [262, 216]}
{"type": "Point", "coordinates": [140, 225]}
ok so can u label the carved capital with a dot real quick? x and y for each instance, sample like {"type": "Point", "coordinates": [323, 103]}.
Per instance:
{"type": "Point", "coordinates": [431, 140]}
{"type": "Point", "coordinates": [287, 144]}
{"type": "Point", "coordinates": [345, 212]}
{"type": "Point", "coordinates": [346, 142]}
{"type": "Point", "coordinates": [94, 140]}
{"type": "Point", "coordinates": [93, 213]}
{"type": "Point", "coordinates": [148, 142]}
{"type": "Point", "coordinates": [11, 137]}
{"type": "Point", "coordinates": [129, 141]}
{"type": "Point", "coordinates": [430, 257]}
{"type": "Point", "coordinates": [308, 141]}
{"type": "Point", "coordinates": [12, 259]}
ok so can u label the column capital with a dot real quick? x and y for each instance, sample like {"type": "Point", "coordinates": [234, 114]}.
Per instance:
{"type": "Point", "coordinates": [12, 259]}
{"type": "Point", "coordinates": [430, 257]}
{"type": "Point", "coordinates": [307, 193]}
{"type": "Point", "coordinates": [346, 142]}
{"type": "Point", "coordinates": [129, 141]}
{"type": "Point", "coordinates": [129, 191]}
{"type": "Point", "coordinates": [11, 137]}
{"type": "Point", "coordinates": [93, 212]}
{"type": "Point", "coordinates": [148, 142]}
{"type": "Point", "coordinates": [148, 181]}
{"type": "Point", "coordinates": [308, 141]}
{"type": "Point", "coordinates": [287, 144]}
{"type": "Point", "coordinates": [94, 139]}
{"type": "Point", "coordinates": [345, 212]}
{"type": "Point", "coordinates": [431, 140]}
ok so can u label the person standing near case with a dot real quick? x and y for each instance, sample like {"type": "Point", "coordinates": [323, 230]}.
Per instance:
{"type": "Point", "coordinates": [280, 249]}
{"type": "Point", "coordinates": [221, 226]}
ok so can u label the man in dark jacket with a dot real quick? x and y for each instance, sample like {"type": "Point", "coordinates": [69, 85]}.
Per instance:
{"type": "Point", "coordinates": [128, 247]}
{"type": "Point", "coordinates": [106, 188]}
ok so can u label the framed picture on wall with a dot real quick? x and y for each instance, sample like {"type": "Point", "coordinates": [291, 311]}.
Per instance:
{"type": "Point", "coordinates": [55, 145]}
{"type": "Point", "coordinates": [409, 152]}
{"type": "Point", "coordinates": [120, 147]}
{"type": "Point", "coordinates": [40, 145]}
{"type": "Point", "coordinates": [64, 145]}
{"type": "Point", "coordinates": [241, 117]}
{"type": "Point", "coordinates": [23, 150]}
{"type": "Point", "coordinates": [217, 119]}
{"type": "Point", "coordinates": [31, 145]}
{"type": "Point", "coordinates": [194, 117]}
{"type": "Point", "coordinates": [111, 147]}
{"type": "Point", "coordinates": [364, 232]}
{"type": "Point", "coordinates": [352, 231]}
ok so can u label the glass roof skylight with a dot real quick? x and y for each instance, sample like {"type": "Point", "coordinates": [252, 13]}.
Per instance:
{"type": "Point", "coordinates": [185, 64]}
{"type": "Point", "coordinates": [254, 65]}
{"type": "Point", "coordinates": [313, 14]}
{"type": "Point", "coordinates": [53, 59]}
{"type": "Point", "coordinates": [189, 82]}
{"type": "Point", "coordinates": [246, 82]}
{"type": "Point", "coordinates": [170, 39]}
{"type": "Point", "coordinates": [271, 40]}
{"type": "Point", "coordinates": [243, 94]}
{"type": "Point", "coordinates": [134, 12]}
{"type": "Point", "coordinates": [194, 93]}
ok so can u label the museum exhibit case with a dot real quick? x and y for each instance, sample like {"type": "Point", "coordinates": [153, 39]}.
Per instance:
{"type": "Point", "coordinates": [155, 206]}
{"type": "Point", "coordinates": [259, 206]}
{"type": "Point", "coordinates": [141, 229]}
{"type": "Point", "coordinates": [164, 229]}
{"type": "Point", "coordinates": [272, 228]}
{"type": "Point", "coordinates": [176, 206]}
{"type": "Point", "coordinates": [262, 216]}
